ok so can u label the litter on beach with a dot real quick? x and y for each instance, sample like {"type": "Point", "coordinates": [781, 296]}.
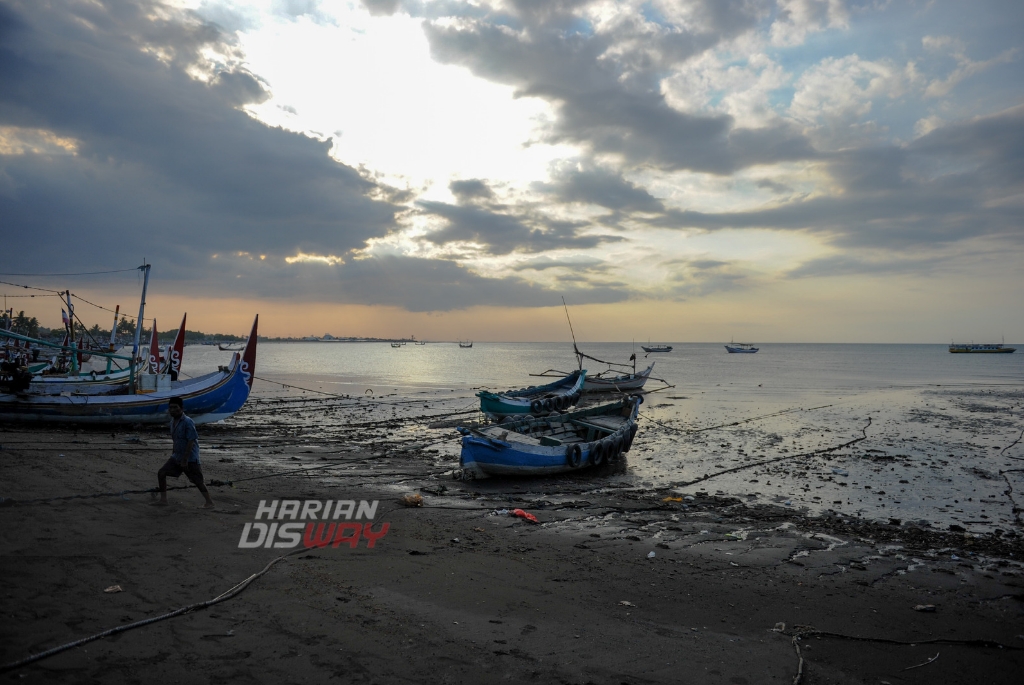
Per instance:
{"type": "Point", "coordinates": [412, 500]}
{"type": "Point", "coordinates": [525, 515]}
{"type": "Point", "coordinates": [113, 588]}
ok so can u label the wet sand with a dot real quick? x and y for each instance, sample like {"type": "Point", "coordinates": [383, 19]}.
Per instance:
{"type": "Point", "coordinates": [456, 593]}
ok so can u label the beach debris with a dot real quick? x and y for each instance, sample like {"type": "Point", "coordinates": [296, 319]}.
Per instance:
{"type": "Point", "coordinates": [926, 608]}
{"type": "Point", "coordinates": [780, 627]}
{"type": "Point", "coordinates": [705, 532]}
{"type": "Point", "coordinates": [689, 498]}
{"type": "Point", "coordinates": [455, 540]}
{"type": "Point", "coordinates": [626, 603]}
{"type": "Point", "coordinates": [650, 555]}
{"type": "Point", "coordinates": [113, 588]}
{"type": "Point", "coordinates": [924, 663]}
{"type": "Point", "coordinates": [840, 472]}
{"type": "Point", "coordinates": [479, 530]}
{"type": "Point", "coordinates": [525, 515]}
{"type": "Point", "coordinates": [672, 499]}
{"type": "Point", "coordinates": [501, 512]}
{"type": "Point", "coordinates": [412, 500]}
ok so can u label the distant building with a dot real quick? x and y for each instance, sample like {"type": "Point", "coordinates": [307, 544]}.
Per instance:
{"type": "Point", "coordinates": [327, 336]}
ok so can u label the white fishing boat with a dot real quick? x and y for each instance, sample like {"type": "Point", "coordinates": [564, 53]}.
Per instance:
{"type": "Point", "coordinates": [741, 348]}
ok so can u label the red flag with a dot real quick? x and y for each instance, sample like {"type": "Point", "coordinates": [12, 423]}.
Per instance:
{"type": "Point", "coordinates": [174, 358]}
{"type": "Point", "coordinates": [64, 317]}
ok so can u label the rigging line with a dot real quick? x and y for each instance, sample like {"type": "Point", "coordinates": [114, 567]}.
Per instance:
{"type": "Point", "coordinates": [82, 273]}
{"type": "Point", "coordinates": [32, 287]}
{"type": "Point", "coordinates": [123, 316]}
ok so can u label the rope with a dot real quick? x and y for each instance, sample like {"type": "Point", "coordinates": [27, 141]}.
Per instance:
{"type": "Point", "coordinates": [727, 425]}
{"type": "Point", "coordinates": [82, 273]}
{"type": "Point", "coordinates": [223, 597]}
{"type": "Point", "coordinates": [776, 459]}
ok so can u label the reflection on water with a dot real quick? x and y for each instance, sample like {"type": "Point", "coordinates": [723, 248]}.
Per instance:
{"type": "Point", "coordinates": [938, 447]}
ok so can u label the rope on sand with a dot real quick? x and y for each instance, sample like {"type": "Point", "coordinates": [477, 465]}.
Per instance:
{"type": "Point", "coordinates": [687, 431]}
{"type": "Point", "coordinates": [223, 597]}
{"type": "Point", "coordinates": [776, 459]}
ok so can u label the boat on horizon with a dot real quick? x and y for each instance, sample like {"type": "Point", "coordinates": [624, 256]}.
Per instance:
{"type": "Point", "coordinates": [741, 348]}
{"type": "Point", "coordinates": [553, 444]}
{"type": "Point", "coordinates": [656, 348]}
{"type": "Point", "coordinates": [466, 345]}
{"type": "Point", "coordinates": [980, 348]}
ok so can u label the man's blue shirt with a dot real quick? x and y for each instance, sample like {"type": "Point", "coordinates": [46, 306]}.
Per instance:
{"type": "Point", "coordinates": [183, 430]}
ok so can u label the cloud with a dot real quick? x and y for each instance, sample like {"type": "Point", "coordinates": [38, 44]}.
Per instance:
{"type": "Point", "coordinates": [604, 85]}
{"type": "Point", "coordinates": [958, 182]}
{"type": "Point", "coordinates": [164, 162]}
{"type": "Point", "coordinates": [502, 232]}
{"type": "Point", "coordinates": [413, 283]}
{"type": "Point", "coordinates": [601, 187]}
{"type": "Point", "coordinates": [471, 189]}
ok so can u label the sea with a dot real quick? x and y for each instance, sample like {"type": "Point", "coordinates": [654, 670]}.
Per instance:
{"type": "Point", "coordinates": [879, 431]}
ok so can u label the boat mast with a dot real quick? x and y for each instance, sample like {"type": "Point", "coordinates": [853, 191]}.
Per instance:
{"type": "Point", "coordinates": [71, 333]}
{"type": "Point", "coordinates": [113, 336]}
{"type": "Point", "coordinates": [579, 358]}
{"type": "Point", "coordinates": [138, 323]}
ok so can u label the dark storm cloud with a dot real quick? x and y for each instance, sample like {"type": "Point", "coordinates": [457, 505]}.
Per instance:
{"type": "Point", "coordinates": [501, 232]}
{"type": "Point", "coordinates": [166, 166]}
{"type": "Point", "coordinates": [605, 86]}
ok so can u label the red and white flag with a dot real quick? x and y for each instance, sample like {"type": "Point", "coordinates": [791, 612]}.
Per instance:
{"type": "Point", "coordinates": [64, 317]}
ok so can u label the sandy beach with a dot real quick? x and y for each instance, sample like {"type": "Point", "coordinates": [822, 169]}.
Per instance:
{"type": "Point", "coordinates": [612, 585]}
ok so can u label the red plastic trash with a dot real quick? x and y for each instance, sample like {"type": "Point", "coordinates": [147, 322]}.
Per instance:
{"type": "Point", "coordinates": [524, 515]}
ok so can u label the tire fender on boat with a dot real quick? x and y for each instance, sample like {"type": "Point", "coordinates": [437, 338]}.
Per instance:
{"type": "Point", "coordinates": [627, 441]}
{"type": "Point", "coordinates": [536, 406]}
{"type": "Point", "coordinates": [598, 452]}
{"type": "Point", "coordinates": [616, 445]}
{"type": "Point", "coordinates": [573, 455]}
{"type": "Point", "coordinates": [548, 404]}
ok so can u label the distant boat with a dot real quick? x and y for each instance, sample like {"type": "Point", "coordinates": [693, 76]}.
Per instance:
{"type": "Point", "coordinates": [537, 399]}
{"type": "Point", "coordinates": [741, 348]}
{"type": "Point", "coordinates": [988, 348]}
{"type": "Point", "coordinates": [466, 344]}
{"type": "Point", "coordinates": [419, 342]}
{"type": "Point", "coordinates": [656, 348]}
{"type": "Point", "coordinates": [230, 347]}
{"type": "Point", "coordinates": [552, 444]}
{"type": "Point", "coordinates": [396, 344]}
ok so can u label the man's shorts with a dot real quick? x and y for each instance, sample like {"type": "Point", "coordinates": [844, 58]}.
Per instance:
{"type": "Point", "coordinates": [192, 470]}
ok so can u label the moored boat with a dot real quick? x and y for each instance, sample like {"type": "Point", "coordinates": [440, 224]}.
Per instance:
{"type": "Point", "coordinates": [212, 397]}
{"type": "Point", "coordinates": [466, 345]}
{"type": "Point", "coordinates": [610, 381]}
{"type": "Point", "coordinates": [656, 348]}
{"type": "Point", "coordinates": [741, 348]}
{"type": "Point", "coordinates": [551, 445]}
{"type": "Point", "coordinates": [537, 399]}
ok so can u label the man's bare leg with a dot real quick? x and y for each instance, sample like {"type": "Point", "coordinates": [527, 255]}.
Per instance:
{"type": "Point", "coordinates": [161, 477]}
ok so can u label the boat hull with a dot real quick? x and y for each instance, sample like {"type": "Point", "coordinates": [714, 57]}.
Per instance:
{"type": "Point", "coordinates": [623, 383]}
{"type": "Point", "coordinates": [486, 455]}
{"type": "Point", "coordinates": [981, 349]}
{"type": "Point", "coordinates": [741, 350]}
{"type": "Point", "coordinates": [557, 396]}
{"type": "Point", "coordinates": [657, 348]}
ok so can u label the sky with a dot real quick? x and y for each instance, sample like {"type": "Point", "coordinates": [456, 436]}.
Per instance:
{"type": "Point", "coordinates": [765, 170]}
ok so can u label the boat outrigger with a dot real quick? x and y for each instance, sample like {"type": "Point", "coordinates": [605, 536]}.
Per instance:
{"type": "Point", "coordinates": [553, 444]}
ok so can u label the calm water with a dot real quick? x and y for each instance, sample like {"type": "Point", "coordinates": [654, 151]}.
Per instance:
{"type": "Point", "coordinates": [940, 427]}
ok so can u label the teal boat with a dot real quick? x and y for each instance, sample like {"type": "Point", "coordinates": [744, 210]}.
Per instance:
{"type": "Point", "coordinates": [536, 400]}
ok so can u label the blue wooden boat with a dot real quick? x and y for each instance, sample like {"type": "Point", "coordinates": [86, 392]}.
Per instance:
{"type": "Point", "coordinates": [535, 400]}
{"type": "Point", "coordinates": [553, 444]}
{"type": "Point", "coordinates": [741, 348]}
{"type": "Point", "coordinates": [212, 397]}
